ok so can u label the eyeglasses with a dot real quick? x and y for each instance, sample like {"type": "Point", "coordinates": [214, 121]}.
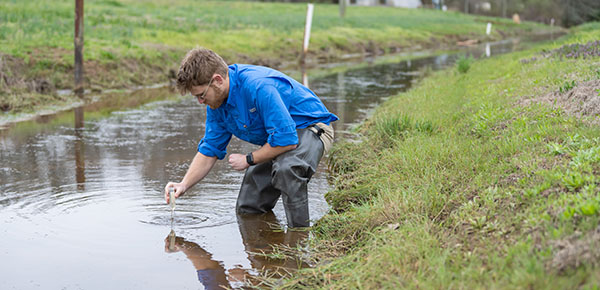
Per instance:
{"type": "Point", "coordinates": [202, 96]}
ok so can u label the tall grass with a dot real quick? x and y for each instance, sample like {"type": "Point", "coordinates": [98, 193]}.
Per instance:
{"type": "Point", "coordinates": [487, 199]}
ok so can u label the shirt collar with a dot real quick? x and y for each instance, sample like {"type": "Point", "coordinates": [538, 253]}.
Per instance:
{"type": "Point", "coordinates": [233, 85]}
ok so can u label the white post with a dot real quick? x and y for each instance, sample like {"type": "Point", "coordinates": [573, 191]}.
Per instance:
{"type": "Point", "coordinates": [488, 30]}
{"type": "Point", "coordinates": [309, 16]}
{"type": "Point", "coordinates": [552, 28]}
{"type": "Point", "coordinates": [488, 50]}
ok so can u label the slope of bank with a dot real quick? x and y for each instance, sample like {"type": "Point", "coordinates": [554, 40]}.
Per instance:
{"type": "Point", "coordinates": [132, 43]}
{"type": "Point", "coordinates": [487, 178]}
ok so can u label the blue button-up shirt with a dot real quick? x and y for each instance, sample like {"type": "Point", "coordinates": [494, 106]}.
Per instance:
{"type": "Point", "coordinates": [264, 106]}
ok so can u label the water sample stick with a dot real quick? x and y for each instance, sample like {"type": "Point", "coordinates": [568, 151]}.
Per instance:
{"type": "Point", "coordinates": [172, 200]}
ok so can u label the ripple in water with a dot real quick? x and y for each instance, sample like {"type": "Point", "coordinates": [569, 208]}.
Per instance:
{"type": "Point", "coordinates": [181, 219]}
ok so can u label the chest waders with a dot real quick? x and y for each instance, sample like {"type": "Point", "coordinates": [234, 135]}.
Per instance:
{"type": "Point", "coordinates": [287, 176]}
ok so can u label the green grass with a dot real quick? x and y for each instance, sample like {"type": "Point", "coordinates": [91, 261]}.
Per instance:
{"type": "Point", "coordinates": [131, 42]}
{"type": "Point", "coordinates": [130, 28]}
{"type": "Point", "coordinates": [481, 198]}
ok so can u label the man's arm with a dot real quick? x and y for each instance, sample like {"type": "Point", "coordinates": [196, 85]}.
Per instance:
{"type": "Point", "coordinates": [265, 153]}
{"type": "Point", "coordinates": [199, 168]}
{"type": "Point", "coordinates": [279, 125]}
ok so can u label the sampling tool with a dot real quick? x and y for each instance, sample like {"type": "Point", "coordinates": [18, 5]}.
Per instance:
{"type": "Point", "coordinates": [172, 205]}
{"type": "Point", "coordinates": [172, 200]}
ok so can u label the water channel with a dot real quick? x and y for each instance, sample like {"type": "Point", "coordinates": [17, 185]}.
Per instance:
{"type": "Point", "coordinates": [84, 209]}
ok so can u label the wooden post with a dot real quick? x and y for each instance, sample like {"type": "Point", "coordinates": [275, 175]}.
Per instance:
{"type": "Point", "coordinates": [309, 15]}
{"type": "Point", "coordinates": [343, 8]}
{"type": "Point", "coordinates": [78, 89]}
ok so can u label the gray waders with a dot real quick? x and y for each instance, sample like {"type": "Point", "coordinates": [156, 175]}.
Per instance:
{"type": "Point", "coordinates": [287, 175]}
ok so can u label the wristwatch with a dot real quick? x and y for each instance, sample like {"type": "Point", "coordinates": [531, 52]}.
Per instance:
{"type": "Point", "coordinates": [250, 159]}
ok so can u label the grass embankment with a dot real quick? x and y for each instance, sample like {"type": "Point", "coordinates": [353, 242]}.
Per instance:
{"type": "Point", "coordinates": [130, 43]}
{"type": "Point", "coordinates": [483, 179]}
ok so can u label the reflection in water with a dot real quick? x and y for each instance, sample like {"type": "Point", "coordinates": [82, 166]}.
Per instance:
{"type": "Point", "coordinates": [304, 76]}
{"type": "Point", "coordinates": [79, 118]}
{"type": "Point", "coordinates": [210, 272]}
{"type": "Point", "coordinates": [79, 154]}
{"type": "Point", "coordinates": [260, 232]}
{"type": "Point", "coordinates": [79, 160]}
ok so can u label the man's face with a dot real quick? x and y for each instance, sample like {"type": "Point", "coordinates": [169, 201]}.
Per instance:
{"type": "Point", "coordinates": [210, 94]}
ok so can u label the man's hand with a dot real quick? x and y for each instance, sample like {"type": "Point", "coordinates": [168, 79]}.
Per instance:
{"type": "Point", "coordinates": [238, 162]}
{"type": "Point", "coordinates": [179, 190]}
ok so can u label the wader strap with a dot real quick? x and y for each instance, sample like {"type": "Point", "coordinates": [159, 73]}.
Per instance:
{"type": "Point", "coordinates": [316, 129]}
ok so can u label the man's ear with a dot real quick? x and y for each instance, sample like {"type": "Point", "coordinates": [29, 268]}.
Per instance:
{"type": "Point", "coordinates": [219, 79]}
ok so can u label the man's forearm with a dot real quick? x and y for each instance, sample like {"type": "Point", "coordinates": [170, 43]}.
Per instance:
{"type": "Point", "coordinates": [199, 168]}
{"type": "Point", "coordinates": [267, 152]}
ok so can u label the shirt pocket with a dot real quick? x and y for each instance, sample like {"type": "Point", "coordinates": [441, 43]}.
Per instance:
{"type": "Point", "coordinates": [255, 121]}
{"type": "Point", "coordinates": [234, 124]}
{"type": "Point", "coordinates": [256, 129]}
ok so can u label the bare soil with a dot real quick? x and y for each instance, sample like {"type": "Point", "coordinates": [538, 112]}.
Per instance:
{"type": "Point", "coordinates": [575, 251]}
{"type": "Point", "coordinates": [583, 100]}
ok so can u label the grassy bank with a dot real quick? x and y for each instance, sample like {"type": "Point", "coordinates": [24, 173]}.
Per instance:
{"type": "Point", "coordinates": [482, 179]}
{"type": "Point", "coordinates": [130, 43]}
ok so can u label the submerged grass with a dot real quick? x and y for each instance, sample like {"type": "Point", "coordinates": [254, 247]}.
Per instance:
{"type": "Point", "coordinates": [494, 193]}
{"type": "Point", "coordinates": [130, 43]}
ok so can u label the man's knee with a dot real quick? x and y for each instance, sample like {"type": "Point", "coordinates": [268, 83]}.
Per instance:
{"type": "Point", "coordinates": [286, 173]}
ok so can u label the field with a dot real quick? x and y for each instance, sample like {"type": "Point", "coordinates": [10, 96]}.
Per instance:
{"type": "Point", "coordinates": [131, 43]}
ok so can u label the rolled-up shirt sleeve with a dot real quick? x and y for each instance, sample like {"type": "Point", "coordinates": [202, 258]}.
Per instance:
{"type": "Point", "coordinates": [216, 138]}
{"type": "Point", "coordinates": [278, 122]}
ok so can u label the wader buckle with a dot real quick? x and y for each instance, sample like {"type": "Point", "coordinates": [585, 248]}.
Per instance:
{"type": "Point", "coordinates": [316, 129]}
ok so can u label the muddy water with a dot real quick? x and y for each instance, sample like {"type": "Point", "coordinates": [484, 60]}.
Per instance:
{"type": "Point", "coordinates": [83, 208]}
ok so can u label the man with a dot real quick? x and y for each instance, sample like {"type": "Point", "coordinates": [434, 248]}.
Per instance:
{"type": "Point", "coordinates": [264, 107]}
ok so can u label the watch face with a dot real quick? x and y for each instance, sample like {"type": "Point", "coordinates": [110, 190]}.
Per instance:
{"type": "Point", "coordinates": [250, 158]}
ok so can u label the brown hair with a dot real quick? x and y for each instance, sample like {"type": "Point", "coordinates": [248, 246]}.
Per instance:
{"type": "Point", "coordinates": [198, 67]}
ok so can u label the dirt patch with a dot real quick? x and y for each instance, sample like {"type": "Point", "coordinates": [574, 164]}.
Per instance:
{"type": "Point", "coordinates": [268, 62]}
{"type": "Point", "coordinates": [11, 71]}
{"type": "Point", "coordinates": [582, 100]}
{"type": "Point", "coordinates": [576, 50]}
{"type": "Point", "coordinates": [576, 251]}
{"type": "Point", "coordinates": [16, 76]}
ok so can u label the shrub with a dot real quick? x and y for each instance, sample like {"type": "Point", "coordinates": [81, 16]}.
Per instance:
{"type": "Point", "coordinates": [463, 64]}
